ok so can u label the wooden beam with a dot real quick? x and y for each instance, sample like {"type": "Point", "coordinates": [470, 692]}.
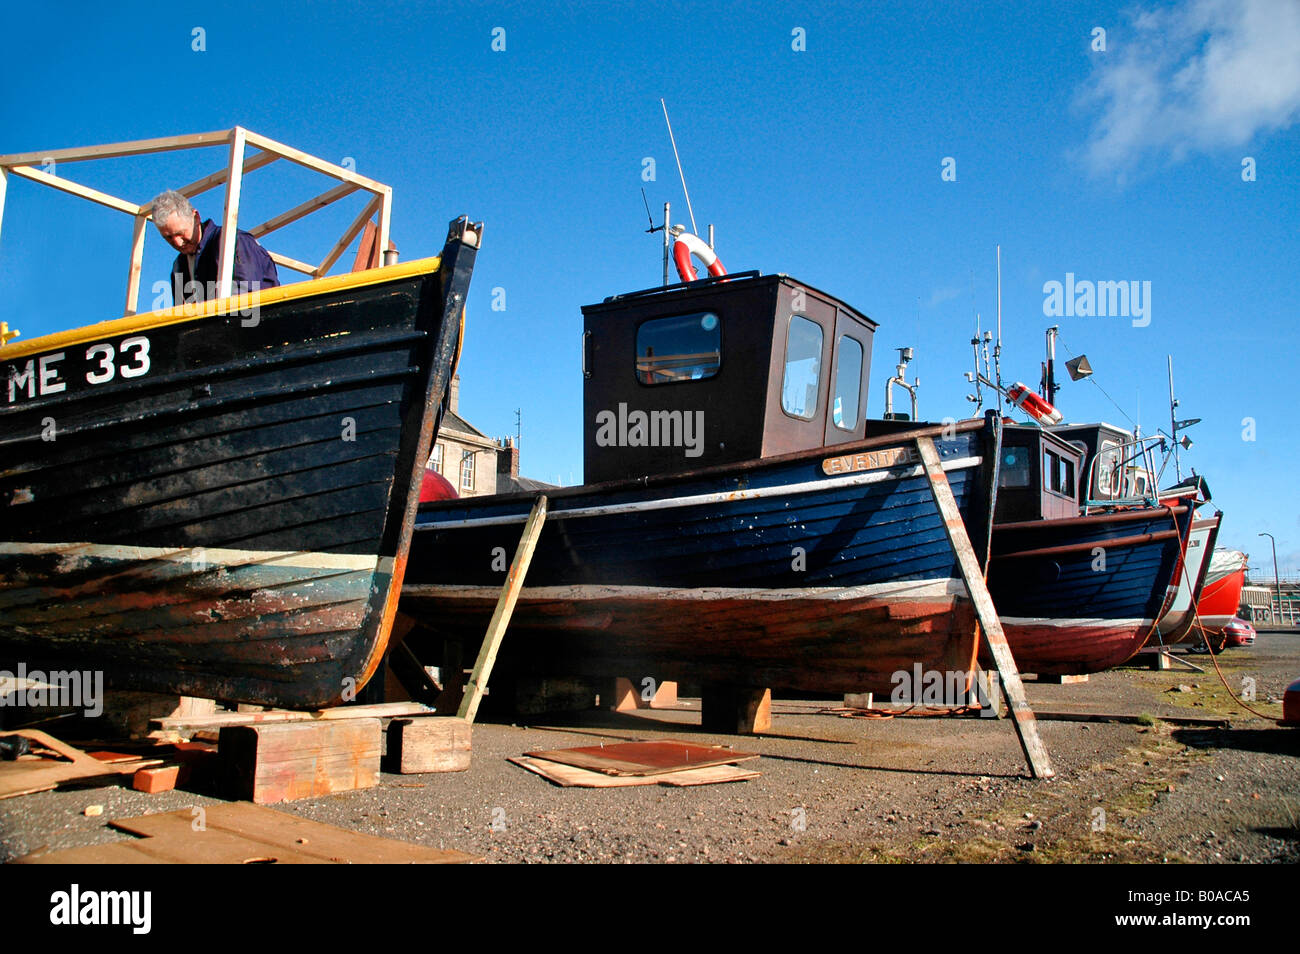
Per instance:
{"type": "Point", "coordinates": [505, 608]}
{"type": "Point", "coordinates": [973, 576]}
{"type": "Point", "coordinates": [230, 219]}
{"type": "Point", "coordinates": [293, 263]}
{"type": "Point", "coordinates": [385, 710]}
{"type": "Point", "coordinates": [116, 149]}
{"type": "Point", "coordinates": [342, 244]}
{"type": "Point", "coordinates": [311, 162]}
{"type": "Point", "coordinates": [73, 188]}
{"type": "Point", "coordinates": [308, 207]}
{"type": "Point", "coordinates": [133, 271]}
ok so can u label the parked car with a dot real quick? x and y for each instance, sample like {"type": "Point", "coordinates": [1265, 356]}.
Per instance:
{"type": "Point", "coordinates": [1239, 632]}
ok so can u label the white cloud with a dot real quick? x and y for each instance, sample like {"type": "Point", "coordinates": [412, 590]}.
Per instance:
{"type": "Point", "coordinates": [941, 295]}
{"type": "Point", "coordinates": [1202, 76]}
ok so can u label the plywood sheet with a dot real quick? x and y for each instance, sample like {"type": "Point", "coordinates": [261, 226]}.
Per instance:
{"type": "Point", "coordinates": [572, 776]}
{"type": "Point", "coordinates": [644, 758]}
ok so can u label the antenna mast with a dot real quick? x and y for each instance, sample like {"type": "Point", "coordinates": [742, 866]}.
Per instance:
{"type": "Point", "coordinates": [997, 345]}
{"type": "Point", "coordinates": [681, 174]}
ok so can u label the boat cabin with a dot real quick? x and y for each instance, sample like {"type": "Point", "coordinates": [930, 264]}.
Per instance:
{"type": "Point", "coordinates": [1038, 475]}
{"type": "Point", "coordinates": [720, 370]}
{"type": "Point", "coordinates": [1115, 466]}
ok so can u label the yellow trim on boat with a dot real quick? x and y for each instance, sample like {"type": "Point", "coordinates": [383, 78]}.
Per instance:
{"type": "Point", "coordinates": [235, 304]}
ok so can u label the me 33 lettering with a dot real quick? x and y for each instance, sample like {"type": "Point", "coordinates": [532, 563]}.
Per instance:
{"type": "Point", "coordinates": [103, 362]}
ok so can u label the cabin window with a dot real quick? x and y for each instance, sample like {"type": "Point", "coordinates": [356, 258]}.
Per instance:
{"type": "Point", "coordinates": [848, 384]}
{"type": "Point", "coordinates": [1058, 474]}
{"type": "Point", "coordinates": [803, 368]}
{"type": "Point", "coordinates": [681, 348]}
{"type": "Point", "coordinates": [1014, 470]}
{"type": "Point", "coordinates": [1107, 463]}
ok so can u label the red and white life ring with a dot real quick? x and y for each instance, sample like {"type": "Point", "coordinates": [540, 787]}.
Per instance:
{"type": "Point", "coordinates": [688, 244]}
{"type": "Point", "coordinates": [1033, 405]}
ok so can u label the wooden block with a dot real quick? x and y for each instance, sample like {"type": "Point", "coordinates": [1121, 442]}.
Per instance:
{"type": "Point", "coordinates": [163, 778]}
{"type": "Point", "coordinates": [1161, 661]}
{"type": "Point", "coordinates": [740, 710]}
{"type": "Point", "coordinates": [1065, 680]}
{"type": "Point", "coordinates": [857, 700]}
{"type": "Point", "coordinates": [281, 762]}
{"type": "Point", "coordinates": [625, 698]}
{"type": "Point", "coordinates": [665, 696]}
{"type": "Point", "coordinates": [428, 744]}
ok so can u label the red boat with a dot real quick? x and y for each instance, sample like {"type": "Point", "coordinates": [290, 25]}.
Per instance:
{"type": "Point", "coordinates": [1221, 594]}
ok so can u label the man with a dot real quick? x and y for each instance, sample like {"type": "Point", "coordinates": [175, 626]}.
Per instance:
{"type": "Point", "coordinates": [194, 273]}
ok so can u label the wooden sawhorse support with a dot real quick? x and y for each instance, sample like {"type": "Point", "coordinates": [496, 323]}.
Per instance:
{"type": "Point", "coordinates": [1022, 716]}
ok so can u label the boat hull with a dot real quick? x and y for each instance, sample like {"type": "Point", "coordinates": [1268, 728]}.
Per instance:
{"type": "Point", "coordinates": [233, 521]}
{"type": "Point", "coordinates": [773, 573]}
{"type": "Point", "coordinates": [1221, 594]}
{"type": "Point", "coordinates": [1177, 625]}
{"type": "Point", "coordinates": [1081, 595]}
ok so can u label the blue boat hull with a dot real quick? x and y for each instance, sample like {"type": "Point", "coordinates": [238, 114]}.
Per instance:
{"type": "Point", "coordinates": [793, 573]}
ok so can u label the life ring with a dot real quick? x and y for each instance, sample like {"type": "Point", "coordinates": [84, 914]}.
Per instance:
{"type": "Point", "coordinates": [1033, 405]}
{"type": "Point", "coordinates": [689, 244]}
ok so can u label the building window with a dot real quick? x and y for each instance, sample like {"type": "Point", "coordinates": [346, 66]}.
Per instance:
{"type": "Point", "coordinates": [681, 348]}
{"type": "Point", "coordinates": [436, 460]}
{"type": "Point", "coordinates": [467, 471]}
{"type": "Point", "coordinates": [848, 384]}
{"type": "Point", "coordinates": [803, 368]}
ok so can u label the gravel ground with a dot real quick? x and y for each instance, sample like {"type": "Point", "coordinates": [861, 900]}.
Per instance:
{"type": "Point", "coordinates": [841, 789]}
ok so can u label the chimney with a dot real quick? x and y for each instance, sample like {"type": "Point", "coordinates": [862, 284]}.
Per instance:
{"type": "Point", "coordinates": [453, 396]}
{"type": "Point", "coordinates": [507, 462]}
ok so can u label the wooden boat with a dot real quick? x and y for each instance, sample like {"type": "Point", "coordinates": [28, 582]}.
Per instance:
{"type": "Point", "coordinates": [1221, 595]}
{"type": "Point", "coordinates": [202, 504]}
{"type": "Point", "coordinates": [787, 543]}
{"type": "Point", "coordinates": [1081, 567]}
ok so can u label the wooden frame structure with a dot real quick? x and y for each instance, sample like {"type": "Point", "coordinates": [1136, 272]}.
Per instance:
{"type": "Point", "coordinates": [247, 151]}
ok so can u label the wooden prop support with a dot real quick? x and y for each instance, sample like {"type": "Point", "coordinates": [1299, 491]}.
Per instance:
{"type": "Point", "coordinates": [501, 615]}
{"type": "Point", "coordinates": [1022, 716]}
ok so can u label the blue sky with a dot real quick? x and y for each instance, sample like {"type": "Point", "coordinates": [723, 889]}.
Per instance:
{"type": "Point", "coordinates": [825, 163]}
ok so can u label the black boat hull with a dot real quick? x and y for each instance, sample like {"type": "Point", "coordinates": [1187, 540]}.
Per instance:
{"type": "Point", "coordinates": [220, 504]}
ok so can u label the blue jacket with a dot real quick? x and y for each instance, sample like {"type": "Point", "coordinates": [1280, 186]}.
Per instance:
{"type": "Point", "coordinates": [252, 264]}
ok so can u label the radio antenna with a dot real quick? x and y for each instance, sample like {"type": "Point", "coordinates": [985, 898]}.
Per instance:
{"type": "Point", "coordinates": [681, 174]}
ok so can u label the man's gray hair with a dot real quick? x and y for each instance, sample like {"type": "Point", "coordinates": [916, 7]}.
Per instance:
{"type": "Point", "coordinates": [171, 203]}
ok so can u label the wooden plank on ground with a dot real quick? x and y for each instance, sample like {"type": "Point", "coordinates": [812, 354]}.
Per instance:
{"type": "Point", "coordinates": [1203, 722]}
{"type": "Point", "coordinates": [286, 761]}
{"type": "Point", "coordinates": [1022, 715]}
{"type": "Point", "coordinates": [241, 833]}
{"type": "Point", "coordinates": [29, 774]}
{"type": "Point", "coordinates": [504, 609]}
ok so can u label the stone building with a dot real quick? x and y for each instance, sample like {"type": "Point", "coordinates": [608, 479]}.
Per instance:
{"type": "Point", "coordinates": [475, 464]}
